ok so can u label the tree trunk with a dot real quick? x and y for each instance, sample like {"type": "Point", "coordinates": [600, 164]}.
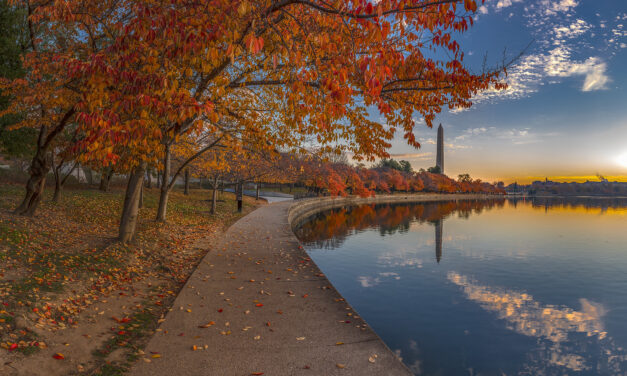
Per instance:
{"type": "Point", "coordinates": [36, 183]}
{"type": "Point", "coordinates": [186, 192]}
{"type": "Point", "coordinates": [239, 189]}
{"type": "Point", "coordinates": [257, 194]}
{"type": "Point", "coordinates": [158, 179]}
{"type": "Point", "coordinates": [148, 179]}
{"type": "Point", "coordinates": [141, 195]}
{"type": "Point", "coordinates": [88, 175]}
{"type": "Point", "coordinates": [214, 196]}
{"type": "Point", "coordinates": [165, 189]}
{"type": "Point", "coordinates": [105, 179]}
{"type": "Point", "coordinates": [130, 210]}
{"type": "Point", "coordinates": [40, 165]}
{"type": "Point", "coordinates": [57, 183]}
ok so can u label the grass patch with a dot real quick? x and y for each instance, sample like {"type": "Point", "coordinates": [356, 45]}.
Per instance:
{"type": "Point", "coordinates": [65, 258]}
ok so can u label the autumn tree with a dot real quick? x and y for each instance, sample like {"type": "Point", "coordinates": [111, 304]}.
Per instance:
{"type": "Point", "coordinates": [58, 36]}
{"type": "Point", "coordinates": [146, 73]}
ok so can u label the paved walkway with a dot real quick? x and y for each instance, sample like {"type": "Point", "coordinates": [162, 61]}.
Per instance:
{"type": "Point", "coordinates": [269, 311]}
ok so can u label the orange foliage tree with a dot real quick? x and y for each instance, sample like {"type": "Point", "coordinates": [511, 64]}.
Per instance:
{"type": "Point", "coordinates": [281, 72]}
{"type": "Point", "coordinates": [60, 33]}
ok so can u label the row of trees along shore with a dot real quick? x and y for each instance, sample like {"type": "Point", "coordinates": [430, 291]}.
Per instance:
{"type": "Point", "coordinates": [128, 86]}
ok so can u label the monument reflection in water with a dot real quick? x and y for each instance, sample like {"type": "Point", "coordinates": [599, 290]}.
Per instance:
{"type": "Point", "coordinates": [535, 287]}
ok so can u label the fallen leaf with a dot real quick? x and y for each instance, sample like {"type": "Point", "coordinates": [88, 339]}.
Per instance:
{"type": "Point", "coordinates": [156, 356]}
{"type": "Point", "coordinates": [340, 365]}
{"type": "Point", "coordinates": [339, 343]}
{"type": "Point", "coordinates": [210, 323]}
{"type": "Point", "coordinates": [58, 356]}
{"type": "Point", "coordinates": [300, 338]}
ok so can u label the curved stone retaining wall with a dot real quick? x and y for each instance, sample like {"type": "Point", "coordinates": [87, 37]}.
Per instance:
{"type": "Point", "coordinates": [303, 209]}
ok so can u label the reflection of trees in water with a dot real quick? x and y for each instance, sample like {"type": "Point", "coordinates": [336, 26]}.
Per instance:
{"type": "Point", "coordinates": [568, 340]}
{"type": "Point", "coordinates": [331, 228]}
{"type": "Point", "coordinates": [574, 203]}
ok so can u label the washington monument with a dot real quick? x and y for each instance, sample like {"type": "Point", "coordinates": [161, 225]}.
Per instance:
{"type": "Point", "coordinates": [440, 156]}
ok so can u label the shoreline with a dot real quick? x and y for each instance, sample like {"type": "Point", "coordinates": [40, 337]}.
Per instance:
{"type": "Point", "coordinates": [258, 304]}
{"type": "Point", "coordinates": [301, 210]}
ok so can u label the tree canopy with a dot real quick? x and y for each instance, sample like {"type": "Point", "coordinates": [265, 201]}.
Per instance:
{"type": "Point", "coordinates": [132, 79]}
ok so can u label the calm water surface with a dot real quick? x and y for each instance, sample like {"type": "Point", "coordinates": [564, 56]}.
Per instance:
{"type": "Point", "coordinates": [503, 287]}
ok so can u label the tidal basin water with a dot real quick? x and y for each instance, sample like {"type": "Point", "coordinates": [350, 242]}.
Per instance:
{"type": "Point", "coordinates": [497, 287]}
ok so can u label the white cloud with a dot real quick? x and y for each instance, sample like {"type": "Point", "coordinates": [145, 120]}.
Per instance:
{"type": "Point", "coordinates": [506, 3]}
{"type": "Point", "coordinates": [560, 64]}
{"type": "Point", "coordinates": [561, 51]}
{"type": "Point", "coordinates": [573, 30]}
{"type": "Point", "coordinates": [471, 132]}
{"type": "Point", "coordinates": [552, 7]}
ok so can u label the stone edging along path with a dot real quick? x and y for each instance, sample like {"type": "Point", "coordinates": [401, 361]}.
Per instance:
{"type": "Point", "coordinates": [258, 305]}
{"type": "Point", "coordinates": [303, 209]}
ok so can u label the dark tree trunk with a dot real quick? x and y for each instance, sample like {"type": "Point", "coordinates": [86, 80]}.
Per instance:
{"type": "Point", "coordinates": [186, 192]}
{"type": "Point", "coordinates": [165, 186]}
{"type": "Point", "coordinates": [158, 178]}
{"type": "Point", "coordinates": [130, 210]}
{"type": "Point", "coordinates": [239, 189]}
{"type": "Point", "coordinates": [58, 181]}
{"type": "Point", "coordinates": [88, 175]}
{"type": "Point", "coordinates": [36, 183]}
{"type": "Point", "coordinates": [257, 194]}
{"type": "Point", "coordinates": [40, 165]}
{"type": "Point", "coordinates": [57, 184]}
{"type": "Point", "coordinates": [105, 179]}
{"type": "Point", "coordinates": [148, 179]}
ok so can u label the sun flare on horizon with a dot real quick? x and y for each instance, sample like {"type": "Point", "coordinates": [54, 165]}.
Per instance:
{"type": "Point", "coordinates": [622, 160]}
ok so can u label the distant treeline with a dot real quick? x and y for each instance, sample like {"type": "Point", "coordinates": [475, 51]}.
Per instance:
{"type": "Point", "coordinates": [589, 188]}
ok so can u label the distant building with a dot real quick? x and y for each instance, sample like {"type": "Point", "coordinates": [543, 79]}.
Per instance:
{"type": "Point", "coordinates": [440, 156]}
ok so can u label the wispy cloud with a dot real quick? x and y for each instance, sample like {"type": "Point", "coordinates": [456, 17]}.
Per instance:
{"type": "Point", "coordinates": [516, 136]}
{"type": "Point", "coordinates": [562, 49]}
{"type": "Point", "coordinates": [415, 156]}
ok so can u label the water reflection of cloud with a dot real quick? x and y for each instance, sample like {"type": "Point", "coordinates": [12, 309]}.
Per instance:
{"type": "Point", "coordinates": [367, 281]}
{"type": "Point", "coordinates": [399, 261]}
{"type": "Point", "coordinates": [416, 366]}
{"type": "Point", "coordinates": [555, 327]}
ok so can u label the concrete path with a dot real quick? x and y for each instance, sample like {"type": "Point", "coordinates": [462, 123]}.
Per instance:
{"type": "Point", "coordinates": [268, 310]}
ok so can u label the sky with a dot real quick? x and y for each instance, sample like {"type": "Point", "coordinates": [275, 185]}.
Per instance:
{"type": "Point", "coordinates": [564, 115]}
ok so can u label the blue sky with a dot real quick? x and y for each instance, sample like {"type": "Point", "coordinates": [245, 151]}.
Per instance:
{"type": "Point", "coordinates": [565, 112]}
